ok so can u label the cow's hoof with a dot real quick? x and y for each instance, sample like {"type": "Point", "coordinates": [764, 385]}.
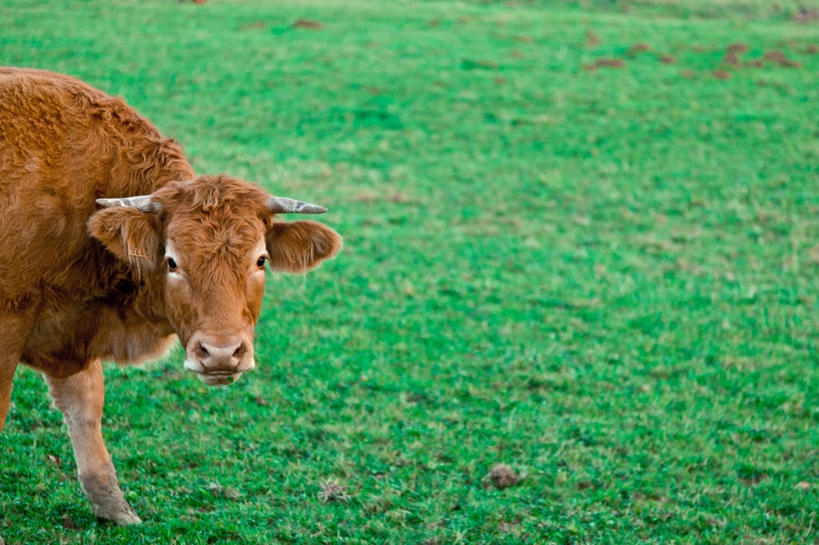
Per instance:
{"type": "Point", "coordinates": [106, 498]}
{"type": "Point", "coordinates": [123, 515]}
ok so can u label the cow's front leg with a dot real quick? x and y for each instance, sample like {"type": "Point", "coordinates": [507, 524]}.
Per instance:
{"type": "Point", "coordinates": [14, 329]}
{"type": "Point", "coordinates": [80, 397]}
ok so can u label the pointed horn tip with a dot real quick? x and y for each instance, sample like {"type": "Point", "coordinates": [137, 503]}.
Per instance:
{"type": "Point", "coordinates": [286, 205]}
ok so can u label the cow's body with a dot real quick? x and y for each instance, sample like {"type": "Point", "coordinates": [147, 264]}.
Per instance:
{"type": "Point", "coordinates": [79, 285]}
{"type": "Point", "coordinates": [63, 145]}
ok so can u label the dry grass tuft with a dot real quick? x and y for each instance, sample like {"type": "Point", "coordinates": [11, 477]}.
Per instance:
{"type": "Point", "coordinates": [332, 490]}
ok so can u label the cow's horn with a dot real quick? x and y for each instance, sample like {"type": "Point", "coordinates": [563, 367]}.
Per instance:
{"type": "Point", "coordinates": [291, 206]}
{"type": "Point", "coordinates": [140, 202]}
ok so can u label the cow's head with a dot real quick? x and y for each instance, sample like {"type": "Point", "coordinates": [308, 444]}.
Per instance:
{"type": "Point", "coordinates": [204, 244]}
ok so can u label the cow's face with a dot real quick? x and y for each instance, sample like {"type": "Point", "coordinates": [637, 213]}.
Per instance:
{"type": "Point", "coordinates": [205, 245]}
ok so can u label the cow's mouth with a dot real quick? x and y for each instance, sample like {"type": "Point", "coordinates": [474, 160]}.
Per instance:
{"type": "Point", "coordinates": [218, 378]}
{"type": "Point", "coordinates": [218, 362]}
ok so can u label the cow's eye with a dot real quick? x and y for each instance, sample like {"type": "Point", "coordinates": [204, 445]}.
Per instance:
{"type": "Point", "coordinates": [260, 261]}
{"type": "Point", "coordinates": [172, 265]}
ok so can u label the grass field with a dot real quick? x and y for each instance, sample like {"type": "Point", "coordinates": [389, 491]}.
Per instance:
{"type": "Point", "coordinates": [604, 277]}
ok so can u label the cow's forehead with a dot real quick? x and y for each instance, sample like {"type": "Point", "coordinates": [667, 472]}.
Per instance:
{"type": "Point", "coordinates": [204, 236]}
{"type": "Point", "coordinates": [213, 216]}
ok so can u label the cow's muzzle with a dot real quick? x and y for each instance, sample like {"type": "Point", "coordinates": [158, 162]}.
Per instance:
{"type": "Point", "coordinates": [219, 361]}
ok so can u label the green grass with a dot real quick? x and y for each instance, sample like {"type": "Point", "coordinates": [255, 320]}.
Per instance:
{"type": "Point", "coordinates": [605, 279]}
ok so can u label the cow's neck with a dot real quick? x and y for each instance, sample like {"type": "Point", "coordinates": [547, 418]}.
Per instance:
{"type": "Point", "coordinates": [133, 325]}
{"type": "Point", "coordinates": [135, 167]}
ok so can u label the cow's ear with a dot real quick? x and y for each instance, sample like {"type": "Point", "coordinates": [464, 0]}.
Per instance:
{"type": "Point", "coordinates": [128, 233]}
{"type": "Point", "coordinates": [298, 246]}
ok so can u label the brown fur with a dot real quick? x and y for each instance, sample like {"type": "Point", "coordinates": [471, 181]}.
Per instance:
{"type": "Point", "coordinates": [78, 284]}
{"type": "Point", "coordinates": [65, 144]}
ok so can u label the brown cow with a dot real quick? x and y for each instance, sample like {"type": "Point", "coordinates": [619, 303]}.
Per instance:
{"type": "Point", "coordinates": [110, 246]}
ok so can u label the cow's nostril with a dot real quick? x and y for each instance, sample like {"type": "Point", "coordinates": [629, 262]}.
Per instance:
{"type": "Point", "coordinates": [202, 352]}
{"type": "Point", "coordinates": [239, 352]}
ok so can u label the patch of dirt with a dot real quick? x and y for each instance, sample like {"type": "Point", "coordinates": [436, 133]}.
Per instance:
{"type": "Point", "coordinates": [812, 49]}
{"type": "Point", "coordinates": [759, 63]}
{"type": "Point", "coordinates": [779, 58]}
{"type": "Point", "coordinates": [721, 74]}
{"type": "Point", "coordinates": [524, 39]}
{"type": "Point", "coordinates": [307, 23]}
{"type": "Point", "coordinates": [608, 63]}
{"type": "Point", "coordinates": [499, 80]}
{"type": "Point", "coordinates": [502, 476]}
{"type": "Point", "coordinates": [668, 59]}
{"type": "Point", "coordinates": [255, 25]}
{"type": "Point", "coordinates": [517, 53]}
{"type": "Point", "coordinates": [638, 48]}
{"type": "Point", "coordinates": [732, 53]}
{"type": "Point", "coordinates": [332, 490]}
{"type": "Point", "coordinates": [731, 59]}
{"type": "Point", "coordinates": [592, 39]}
{"type": "Point", "coordinates": [687, 74]}
{"type": "Point", "coordinates": [805, 15]}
